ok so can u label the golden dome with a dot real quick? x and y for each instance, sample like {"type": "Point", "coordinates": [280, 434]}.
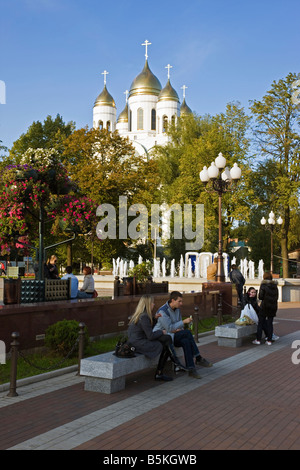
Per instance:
{"type": "Point", "coordinates": [145, 83]}
{"type": "Point", "coordinates": [123, 117]}
{"type": "Point", "coordinates": [184, 109]}
{"type": "Point", "coordinates": [105, 99]}
{"type": "Point", "coordinates": [168, 93]}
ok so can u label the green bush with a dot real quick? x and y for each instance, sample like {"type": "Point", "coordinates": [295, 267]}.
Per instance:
{"type": "Point", "coordinates": [141, 271]}
{"type": "Point", "coordinates": [61, 337]}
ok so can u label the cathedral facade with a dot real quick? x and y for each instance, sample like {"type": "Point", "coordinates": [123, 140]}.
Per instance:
{"type": "Point", "coordinates": [148, 111]}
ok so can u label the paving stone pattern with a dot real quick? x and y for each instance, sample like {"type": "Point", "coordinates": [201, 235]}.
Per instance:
{"type": "Point", "coordinates": [248, 400]}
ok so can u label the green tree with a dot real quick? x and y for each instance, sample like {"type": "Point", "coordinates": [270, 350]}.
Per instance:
{"type": "Point", "coordinates": [49, 134]}
{"type": "Point", "coordinates": [194, 143]}
{"type": "Point", "coordinates": [278, 139]}
{"type": "Point", "coordinates": [36, 191]}
{"type": "Point", "coordinates": [105, 166]}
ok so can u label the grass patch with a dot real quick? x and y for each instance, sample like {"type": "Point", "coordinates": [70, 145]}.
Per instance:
{"type": "Point", "coordinates": [39, 363]}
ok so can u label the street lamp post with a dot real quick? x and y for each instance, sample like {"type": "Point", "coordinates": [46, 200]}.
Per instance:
{"type": "Point", "coordinates": [220, 183]}
{"type": "Point", "coordinates": [271, 226]}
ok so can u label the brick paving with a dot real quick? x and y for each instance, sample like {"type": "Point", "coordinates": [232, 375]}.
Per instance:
{"type": "Point", "coordinates": [248, 400]}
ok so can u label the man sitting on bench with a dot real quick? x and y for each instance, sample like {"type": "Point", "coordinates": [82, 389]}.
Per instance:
{"type": "Point", "coordinates": [170, 320]}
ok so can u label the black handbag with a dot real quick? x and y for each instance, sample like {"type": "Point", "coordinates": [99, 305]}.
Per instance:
{"type": "Point", "coordinates": [124, 349]}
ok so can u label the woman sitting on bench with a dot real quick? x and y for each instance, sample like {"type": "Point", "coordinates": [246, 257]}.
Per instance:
{"type": "Point", "coordinates": [148, 342]}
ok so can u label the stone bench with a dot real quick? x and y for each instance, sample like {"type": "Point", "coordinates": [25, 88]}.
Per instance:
{"type": "Point", "coordinates": [106, 373]}
{"type": "Point", "coordinates": [232, 335]}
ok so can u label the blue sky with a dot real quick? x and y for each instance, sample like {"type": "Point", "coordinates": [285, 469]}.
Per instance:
{"type": "Point", "coordinates": [54, 51]}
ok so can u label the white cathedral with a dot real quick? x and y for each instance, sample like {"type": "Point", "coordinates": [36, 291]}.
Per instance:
{"type": "Point", "coordinates": [148, 111]}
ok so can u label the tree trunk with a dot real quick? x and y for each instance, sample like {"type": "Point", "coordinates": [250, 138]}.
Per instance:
{"type": "Point", "coordinates": [69, 254]}
{"type": "Point", "coordinates": [285, 262]}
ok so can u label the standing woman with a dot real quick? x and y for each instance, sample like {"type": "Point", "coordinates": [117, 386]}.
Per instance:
{"type": "Point", "coordinates": [268, 294]}
{"type": "Point", "coordinates": [145, 340]}
{"type": "Point", "coordinates": [51, 271]}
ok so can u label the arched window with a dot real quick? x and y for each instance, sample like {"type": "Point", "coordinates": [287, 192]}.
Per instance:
{"type": "Point", "coordinates": [153, 120]}
{"type": "Point", "coordinates": [165, 123]}
{"type": "Point", "coordinates": [108, 125]}
{"type": "Point", "coordinates": [140, 119]}
{"type": "Point", "coordinates": [173, 119]}
{"type": "Point", "coordinates": [100, 123]}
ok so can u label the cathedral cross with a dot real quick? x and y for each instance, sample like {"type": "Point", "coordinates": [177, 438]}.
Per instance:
{"type": "Point", "coordinates": [104, 73]}
{"type": "Point", "coordinates": [168, 67]}
{"type": "Point", "coordinates": [184, 88]}
{"type": "Point", "coordinates": [146, 43]}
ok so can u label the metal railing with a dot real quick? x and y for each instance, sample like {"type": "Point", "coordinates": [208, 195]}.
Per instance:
{"type": "Point", "coordinates": [15, 353]}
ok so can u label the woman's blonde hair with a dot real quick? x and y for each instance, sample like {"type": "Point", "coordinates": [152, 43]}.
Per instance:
{"type": "Point", "coordinates": [144, 305]}
{"type": "Point", "coordinates": [51, 259]}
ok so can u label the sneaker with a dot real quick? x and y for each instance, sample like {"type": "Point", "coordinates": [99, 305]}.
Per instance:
{"type": "Point", "coordinates": [163, 377]}
{"type": "Point", "coordinates": [255, 342]}
{"type": "Point", "coordinates": [275, 337]}
{"type": "Point", "coordinates": [179, 368]}
{"type": "Point", "coordinates": [200, 361]}
{"type": "Point", "coordinates": [269, 343]}
{"type": "Point", "coordinates": [194, 373]}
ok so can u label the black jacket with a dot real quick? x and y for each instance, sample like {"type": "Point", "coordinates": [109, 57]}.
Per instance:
{"type": "Point", "coordinates": [268, 294]}
{"type": "Point", "coordinates": [252, 301]}
{"type": "Point", "coordinates": [236, 277]}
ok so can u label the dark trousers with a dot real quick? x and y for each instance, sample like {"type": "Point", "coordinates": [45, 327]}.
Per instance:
{"type": "Point", "coordinates": [166, 341]}
{"type": "Point", "coordinates": [239, 289]}
{"type": "Point", "coordinates": [264, 324]}
{"type": "Point", "coordinates": [185, 340]}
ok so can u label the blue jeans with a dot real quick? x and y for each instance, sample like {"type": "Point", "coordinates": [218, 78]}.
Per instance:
{"type": "Point", "coordinates": [185, 340]}
{"type": "Point", "coordinates": [84, 295]}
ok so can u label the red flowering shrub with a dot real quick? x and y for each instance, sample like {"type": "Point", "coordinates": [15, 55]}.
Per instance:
{"type": "Point", "coordinates": [40, 181]}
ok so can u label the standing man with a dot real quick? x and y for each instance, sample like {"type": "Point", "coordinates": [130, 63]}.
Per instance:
{"type": "Point", "coordinates": [238, 279]}
{"type": "Point", "coordinates": [170, 319]}
{"type": "Point", "coordinates": [74, 282]}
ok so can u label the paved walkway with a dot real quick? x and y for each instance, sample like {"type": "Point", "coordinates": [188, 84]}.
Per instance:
{"type": "Point", "coordinates": [248, 400]}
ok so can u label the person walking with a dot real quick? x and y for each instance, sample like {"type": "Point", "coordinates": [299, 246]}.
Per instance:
{"type": "Point", "coordinates": [268, 294]}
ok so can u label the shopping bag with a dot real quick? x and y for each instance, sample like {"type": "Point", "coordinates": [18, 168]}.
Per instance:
{"type": "Point", "coordinates": [249, 312]}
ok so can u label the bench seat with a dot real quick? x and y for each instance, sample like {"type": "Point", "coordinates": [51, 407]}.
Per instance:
{"type": "Point", "coordinates": [106, 373]}
{"type": "Point", "coordinates": [232, 335]}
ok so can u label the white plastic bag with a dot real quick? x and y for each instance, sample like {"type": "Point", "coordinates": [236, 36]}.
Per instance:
{"type": "Point", "coordinates": [249, 312]}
